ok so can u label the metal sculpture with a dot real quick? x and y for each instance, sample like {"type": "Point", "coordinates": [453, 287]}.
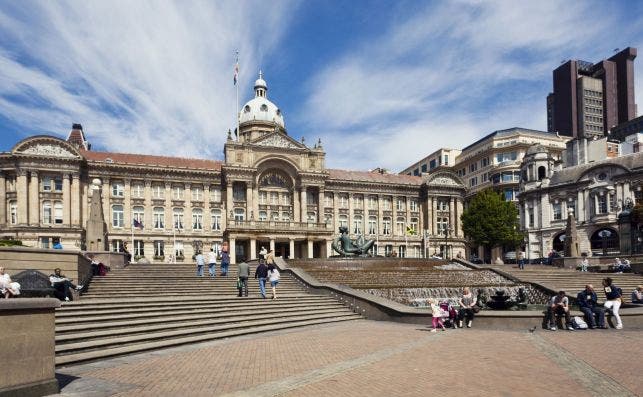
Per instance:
{"type": "Point", "coordinates": [344, 246]}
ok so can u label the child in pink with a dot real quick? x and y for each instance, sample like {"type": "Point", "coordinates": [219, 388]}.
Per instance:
{"type": "Point", "coordinates": [437, 314]}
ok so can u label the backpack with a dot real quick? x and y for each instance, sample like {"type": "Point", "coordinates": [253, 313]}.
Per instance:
{"type": "Point", "coordinates": [579, 323]}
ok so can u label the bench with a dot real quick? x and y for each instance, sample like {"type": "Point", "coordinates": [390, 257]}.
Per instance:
{"type": "Point", "coordinates": [34, 284]}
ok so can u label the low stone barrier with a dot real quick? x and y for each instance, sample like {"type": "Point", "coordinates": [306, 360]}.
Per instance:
{"type": "Point", "coordinates": [27, 347]}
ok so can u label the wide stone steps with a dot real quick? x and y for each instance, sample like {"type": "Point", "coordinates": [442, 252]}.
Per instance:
{"type": "Point", "coordinates": [572, 281]}
{"type": "Point", "coordinates": [137, 309]}
{"type": "Point", "coordinates": [92, 355]}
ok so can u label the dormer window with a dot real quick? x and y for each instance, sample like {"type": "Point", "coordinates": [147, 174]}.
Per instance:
{"type": "Point", "coordinates": [264, 108]}
{"type": "Point", "coordinates": [278, 112]}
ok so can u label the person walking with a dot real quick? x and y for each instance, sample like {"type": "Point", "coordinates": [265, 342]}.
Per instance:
{"type": "Point", "coordinates": [263, 252]}
{"type": "Point", "coordinates": [200, 263]}
{"type": "Point", "coordinates": [273, 276]}
{"type": "Point", "coordinates": [243, 271]}
{"type": "Point", "coordinates": [436, 315]}
{"type": "Point", "coordinates": [212, 263]}
{"type": "Point", "coordinates": [521, 261]}
{"type": "Point", "coordinates": [225, 262]}
{"type": "Point", "coordinates": [270, 258]}
{"type": "Point", "coordinates": [588, 304]}
{"type": "Point", "coordinates": [467, 303]}
{"type": "Point", "coordinates": [613, 302]}
{"type": "Point", "coordinates": [261, 273]}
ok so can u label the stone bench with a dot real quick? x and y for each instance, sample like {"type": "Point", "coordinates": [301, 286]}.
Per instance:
{"type": "Point", "coordinates": [34, 284]}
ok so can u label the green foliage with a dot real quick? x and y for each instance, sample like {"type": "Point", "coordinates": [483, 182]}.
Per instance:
{"type": "Point", "coordinates": [10, 243]}
{"type": "Point", "coordinates": [490, 221]}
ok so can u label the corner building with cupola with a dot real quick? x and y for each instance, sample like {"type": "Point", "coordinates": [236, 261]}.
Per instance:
{"type": "Point", "coordinates": [270, 190]}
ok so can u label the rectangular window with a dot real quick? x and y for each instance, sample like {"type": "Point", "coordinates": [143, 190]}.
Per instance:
{"type": "Point", "coordinates": [58, 212]}
{"type": "Point", "coordinates": [215, 195]}
{"type": "Point", "coordinates": [423, 168]}
{"type": "Point", "coordinates": [45, 243]}
{"type": "Point", "coordinates": [311, 198]}
{"type": "Point", "coordinates": [343, 221]}
{"type": "Point", "coordinates": [328, 200]}
{"type": "Point", "coordinates": [177, 217]}
{"type": "Point", "coordinates": [58, 184]}
{"type": "Point", "coordinates": [13, 212]}
{"type": "Point", "coordinates": [158, 191]}
{"type": "Point", "coordinates": [446, 159]}
{"type": "Point", "coordinates": [138, 190]}
{"type": "Point", "coordinates": [117, 216]}
{"type": "Point", "coordinates": [116, 245]}
{"type": "Point", "coordinates": [556, 208]}
{"type": "Point", "coordinates": [357, 225]}
{"type": "Point", "coordinates": [46, 212]}
{"type": "Point", "coordinates": [372, 225]}
{"type": "Point", "coordinates": [177, 192]}
{"type": "Point", "coordinates": [372, 202]}
{"type": "Point", "coordinates": [443, 204]}
{"type": "Point", "coordinates": [159, 218]}
{"type": "Point", "coordinates": [602, 204]}
{"type": "Point", "coordinates": [413, 205]}
{"type": "Point", "coordinates": [401, 204]}
{"type": "Point", "coordinates": [263, 197]}
{"type": "Point", "coordinates": [239, 192]}
{"type": "Point", "coordinates": [432, 164]}
{"type": "Point", "coordinates": [46, 183]}
{"type": "Point", "coordinates": [274, 198]}
{"type": "Point", "coordinates": [343, 200]}
{"type": "Point", "coordinates": [118, 189]}
{"type": "Point", "coordinates": [138, 215]}
{"type": "Point", "coordinates": [386, 203]}
{"type": "Point", "coordinates": [197, 193]}
{"type": "Point", "coordinates": [386, 226]}
{"type": "Point", "coordinates": [531, 218]}
{"type": "Point", "coordinates": [239, 214]}
{"type": "Point", "coordinates": [400, 227]}
{"type": "Point", "coordinates": [263, 216]}
{"type": "Point", "coordinates": [285, 198]}
{"type": "Point", "coordinates": [358, 201]}
{"type": "Point", "coordinates": [159, 249]}
{"type": "Point", "coordinates": [139, 249]}
{"type": "Point", "coordinates": [216, 220]}
{"type": "Point", "coordinates": [197, 219]}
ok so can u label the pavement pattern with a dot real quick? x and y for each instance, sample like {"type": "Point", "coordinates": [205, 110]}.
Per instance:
{"type": "Point", "coordinates": [369, 358]}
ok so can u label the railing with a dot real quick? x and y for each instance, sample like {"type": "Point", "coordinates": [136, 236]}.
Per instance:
{"type": "Point", "coordinates": [278, 225]}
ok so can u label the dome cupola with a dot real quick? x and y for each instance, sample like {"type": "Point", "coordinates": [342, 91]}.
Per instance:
{"type": "Point", "coordinates": [260, 110]}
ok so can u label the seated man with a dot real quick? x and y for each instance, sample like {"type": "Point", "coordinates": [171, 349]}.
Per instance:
{"type": "Point", "coordinates": [587, 302]}
{"type": "Point", "coordinates": [617, 267]}
{"type": "Point", "coordinates": [637, 295]}
{"type": "Point", "coordinates": [62, 285]}
{"type": "Point", "coordinates": [559, 305]}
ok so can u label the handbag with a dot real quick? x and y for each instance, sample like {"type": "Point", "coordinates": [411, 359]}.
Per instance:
{"type": "Point", "coordinates": [239, 283]}
{"type": "Point", "coordinates": [476, 309]}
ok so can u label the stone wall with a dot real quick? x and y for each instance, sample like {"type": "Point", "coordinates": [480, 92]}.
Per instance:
{"type": "Point", "coordinates": [27, 347]}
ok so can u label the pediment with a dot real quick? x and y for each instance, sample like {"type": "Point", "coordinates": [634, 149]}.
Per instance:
{"type": "Point", "coordinates": [46, 146]}
{"type": "Point", "coordinates": [445, 179]}
{"type": "Point", "coordinates": [277, 139]}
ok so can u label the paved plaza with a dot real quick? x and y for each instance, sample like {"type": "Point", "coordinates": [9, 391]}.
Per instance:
{"type": "Point", "coordinates": [368, 358]}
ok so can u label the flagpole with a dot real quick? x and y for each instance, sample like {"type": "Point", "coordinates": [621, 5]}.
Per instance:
{"type": "Point", "coordinates": [133, 248]}
{"type": "Point", "coordinates": [236, 85]}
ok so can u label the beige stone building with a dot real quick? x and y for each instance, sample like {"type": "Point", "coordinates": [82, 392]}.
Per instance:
{"type": "Point", "coordinates": [270, 190]}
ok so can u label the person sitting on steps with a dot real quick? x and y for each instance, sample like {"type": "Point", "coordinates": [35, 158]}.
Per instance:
{"type": "Point", "coordinates": [588, 304]}
{"type": "Point", "coordinates": [62, 286]}
{"type": "Point", "coordinates": [559, 305]}
{"type": "Point", "coordinates": [637, 295]}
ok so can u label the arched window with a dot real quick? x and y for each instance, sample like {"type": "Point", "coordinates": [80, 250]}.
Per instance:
{"type": "Point", "coordinates": [216, 220]}
{"type": "Point", "coordinates": [542, 172]}
{"type": "Point", "coordinates": [46, 212]}
{"type": "Point", "coordinates": [159, 217]}
{"type": "Point", "coordinates": [197, 219]}
{"type": "Point", "coordinates": [177, 215]}
{"type": "Point", "coordinates": [357, 224]}
{"type": "Point", "coordinates": [605, 241]}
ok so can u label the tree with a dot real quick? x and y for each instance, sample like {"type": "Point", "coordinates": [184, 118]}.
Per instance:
{"type": "Point", "coordinates": [490, 221]}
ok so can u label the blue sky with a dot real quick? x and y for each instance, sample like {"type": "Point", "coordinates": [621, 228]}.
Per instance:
{"type": "Point", "coordinates": [381, 83]}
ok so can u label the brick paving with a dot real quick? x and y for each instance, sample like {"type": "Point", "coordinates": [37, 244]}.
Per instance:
{"type": "Point", "coordinates": [368, 358]}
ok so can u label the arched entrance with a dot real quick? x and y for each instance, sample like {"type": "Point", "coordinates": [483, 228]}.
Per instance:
{"type": "Point", "coordinates": [558, 244]}
{"type": "Point", "coordinates": [275, 196]}
{"type": "Point", "coordinates": [604, 241]}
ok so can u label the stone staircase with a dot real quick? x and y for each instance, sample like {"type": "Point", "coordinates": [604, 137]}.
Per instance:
{"type": "Point", "coordinates": [572, 281]}
{"type": "Point", "coordinates": [147, 307]}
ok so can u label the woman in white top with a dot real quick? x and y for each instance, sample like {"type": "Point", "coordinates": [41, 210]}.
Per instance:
{"type": "Point", "coordinates": [7, 287]}
{"type": "Point", "coordinates": [273, 276]}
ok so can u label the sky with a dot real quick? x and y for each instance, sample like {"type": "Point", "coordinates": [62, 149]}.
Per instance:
{"type": "Point", "coordinates": [381, 83]}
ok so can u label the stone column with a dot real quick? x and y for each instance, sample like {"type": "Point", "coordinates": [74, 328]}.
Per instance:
{"type": "Point", "coordinates": [75, 197]}
{"type": "Point", "coordinates": [187, 208]}
{"type": "Point", "coordinates": [452, 213]}
{"type": "Point", "coordinates": [351, 212]}
{"type": "Point", "coordinates": [291, 247]}
{"type": "Point", "coordinates": [546, 210]}
{"type": "Point", "coordinates": [580, 207]}
{"type": "Point", "coordinates": [107, 209]}
{"type": "Point", "coordinates": [33, 203]}
{"type": "Point", "coordinates": [310, 249]}
{"type": "Point", "coordinates": [66, 199]}
{"type": "Point", "coordinates": [255, 201]}
{"type": "Point", "coordinates": [434, 216]}
{"type": "Point", "coordinates": [320, 205]}
{"type": "Point", "coordinates": [169, 217]}
{"type": "Point", "coordinates": [304, 205]}
{"type": "Point", "coordinates": [84, 206]}
{"type": "Point", "coordinates": [253, 249]}
{"type": "Point", "coordinates": [380, 218]}
{"type": "Point", "coordinates": [295, 205]}
{"type": "Point", "coordinates": [250, 209]}
{"type": "Point", "coordinates": [207, 218]}
{"type": "Point", "coordinates": [335, 212]}
{"type": "Point", "coordinates": [233, 250]}
{"type": "Point", "coordinates": [229, 205]}
{"type": "Point", "coordinates": [3, 200]}
{"type": "Point", "coordinates": [272, 244]}
{"type": "Point", "coordinates": [127, 207]}
{"type": "Point", "coordinates": [458, 220]}
{"type": "Point", "coordinates": [22, 196]}
{"type": "Point", "coordinates": [329, 248]}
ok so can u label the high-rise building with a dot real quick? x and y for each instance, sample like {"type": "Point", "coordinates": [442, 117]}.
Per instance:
{"type": "Point", "coordinates": [590, 99]}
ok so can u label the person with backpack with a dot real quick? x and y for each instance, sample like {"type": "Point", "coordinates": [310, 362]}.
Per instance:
{"type": "Point", "coordinates": [588, 304]}
{"type": "Point", "coordinates": [273, 276]}
{"type": "Point", "coordinates": [225, 262]}
{"type": "Point", "coordinates": [613, 295]}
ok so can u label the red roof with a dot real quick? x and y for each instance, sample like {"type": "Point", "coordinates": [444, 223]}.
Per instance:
{"type": "Point", "coordinates": [147, 160]}
{"type": "Point", "coordinates": [367, 176]}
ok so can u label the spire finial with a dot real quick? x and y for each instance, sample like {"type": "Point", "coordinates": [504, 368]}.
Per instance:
{"type": "Point", "coordinates": [260, 74]}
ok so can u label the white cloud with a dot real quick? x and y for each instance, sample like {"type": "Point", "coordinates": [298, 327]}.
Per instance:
{"type": "Point", "coordinates": [447, 76]}
{"type": "Point", "coordinates": [140, 76]}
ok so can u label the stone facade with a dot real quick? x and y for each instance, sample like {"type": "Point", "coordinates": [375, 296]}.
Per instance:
{"type": "Point", "coordinates": [270, 190]}
{"type": "Point", "coordinates": [595, 193]}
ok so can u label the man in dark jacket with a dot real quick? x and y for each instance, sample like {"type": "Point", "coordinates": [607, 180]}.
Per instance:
{"type": "Point", "coordinates": [587, 301]}
{"type": "Point", "coordinates": [261, 273]}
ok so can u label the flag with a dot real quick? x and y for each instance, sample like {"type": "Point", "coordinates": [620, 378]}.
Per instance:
{"type": "Point", "coordinates": [137, 224]}
{"type": "Point", "coordinates": [410, 231]}
{"type": "Point", "coordinates": [236, 70]}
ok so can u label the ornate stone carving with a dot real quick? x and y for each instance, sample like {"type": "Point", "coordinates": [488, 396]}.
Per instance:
{"type": "Point", "coordinates": [43, 149]}
{"type": "Point", "coordinates": [444, 181]}
{"type": "Point", "coordinates": [277, 140]}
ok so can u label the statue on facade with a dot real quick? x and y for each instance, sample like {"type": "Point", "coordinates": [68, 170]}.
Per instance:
{"type": "Point", "coordinates": [344, 246]}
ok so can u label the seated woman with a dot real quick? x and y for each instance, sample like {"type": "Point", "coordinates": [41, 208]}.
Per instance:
{"type": "Point", "coordinates": [8, 288]}
{"type": "Point", "coordinates": [637, 295]}
{"type": "Point", "coordinates": [467, 302]}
